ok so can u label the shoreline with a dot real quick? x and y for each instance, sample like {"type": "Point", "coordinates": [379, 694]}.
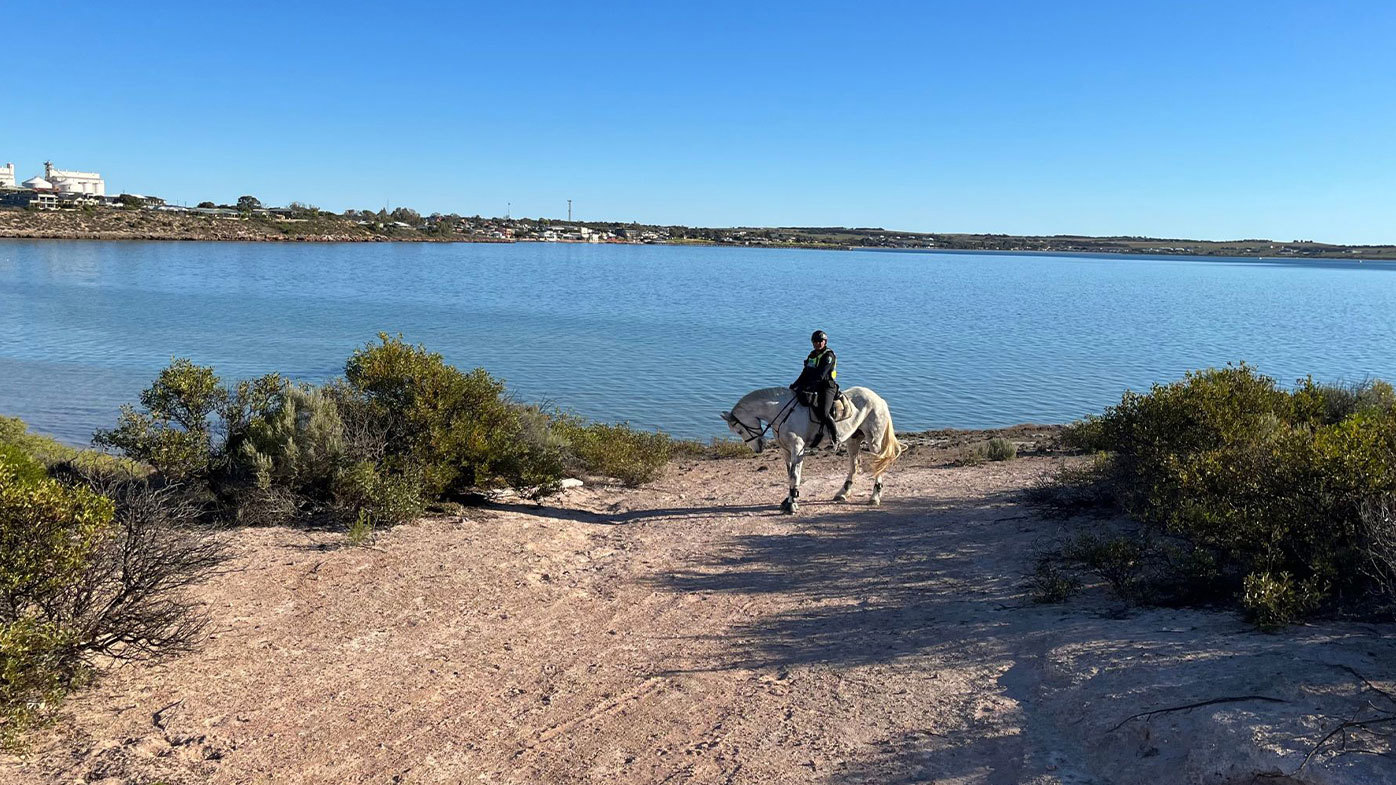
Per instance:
{"type": "Point", "coordinates": [115, 225]}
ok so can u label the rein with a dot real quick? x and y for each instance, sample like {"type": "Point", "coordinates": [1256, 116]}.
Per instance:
{"type": "Point", "coordinates": [748, 439]}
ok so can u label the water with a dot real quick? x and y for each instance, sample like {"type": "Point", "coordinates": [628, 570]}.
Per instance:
{"type": "Point", "coordinates": [668, 337]}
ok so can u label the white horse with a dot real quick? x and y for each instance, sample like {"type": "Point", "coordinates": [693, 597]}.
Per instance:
{"type": "Point", "coordinates": [791, 425]}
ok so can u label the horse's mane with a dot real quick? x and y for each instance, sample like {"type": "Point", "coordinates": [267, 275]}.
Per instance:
{"type": "Point", "coordinates": [764, 394]}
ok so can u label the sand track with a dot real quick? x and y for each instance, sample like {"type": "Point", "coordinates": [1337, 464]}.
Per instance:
{"type": "Point", "coordinates": [686, 633]}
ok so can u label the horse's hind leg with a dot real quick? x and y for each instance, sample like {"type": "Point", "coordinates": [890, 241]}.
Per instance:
{"type": "Point", "coordinates": [855, 443]}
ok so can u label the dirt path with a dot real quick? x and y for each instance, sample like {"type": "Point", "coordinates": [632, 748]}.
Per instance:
{"type": "Point", "coordinates": [684, 633]}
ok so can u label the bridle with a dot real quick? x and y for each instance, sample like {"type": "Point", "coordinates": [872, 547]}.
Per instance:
{"type": "Point", "coordinates": [749, 438]}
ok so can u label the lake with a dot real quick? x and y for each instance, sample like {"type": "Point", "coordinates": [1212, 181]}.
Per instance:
{"type": "Point", "coordinates": [669, 336]}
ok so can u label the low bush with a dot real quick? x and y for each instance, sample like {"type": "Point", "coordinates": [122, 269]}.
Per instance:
{"type": "Point", "coordinates": [1050, 583]}
{"type": "Point", "coordinates": [972, 454]}
{"type": "Point", "coordinates": [1120, 560]}
{"type": "Point", "coordinates": [713, 449]}
{"type": "Point", "coordinates": [457, 427]}
{"type": "Point", "coordinates": [173, 429]}
{"type": "Point", "coordinates": [368, 494]}
{"type": "Point", "coordinates": [82, 574]}
{"type": "Point", "coordinates": [1079, 487]}
{"type": "Point", "coordinates": [618, 451]}
{"type": "Point", "coordinates": [1276, 600]}
{"type": "Point", "coordinates": [15, 439]}
{"type": "Point", "coordinates": [1000, 449]}
{"type": "Point", "coordinates": [401, 429]}
{"type": "Point", "coordinates": [1277, 496]}
{"type": "Point", "coordinates": [293, 442]}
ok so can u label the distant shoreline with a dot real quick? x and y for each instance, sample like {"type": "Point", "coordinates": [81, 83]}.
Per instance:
{"type": "Point", "coordinates": [116, 224]}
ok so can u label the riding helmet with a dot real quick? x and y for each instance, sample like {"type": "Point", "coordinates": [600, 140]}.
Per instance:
{"type": "Point", "coordinates": [818, 336]}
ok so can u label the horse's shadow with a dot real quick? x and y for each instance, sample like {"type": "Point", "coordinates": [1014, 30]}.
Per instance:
{"type": "Point", "coordinates": [622, 518]}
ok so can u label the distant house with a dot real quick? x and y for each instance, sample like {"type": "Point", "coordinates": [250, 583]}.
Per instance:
{"type": "Point", "coordinates": [28, 198]}
{"type": "Point", "coordinates": [216, 212]}
{"type": "Point", "coordinates": [7, 176]}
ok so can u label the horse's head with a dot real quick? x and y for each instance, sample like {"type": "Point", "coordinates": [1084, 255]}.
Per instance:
{"type": "Point", "coordinates": [754, 436]}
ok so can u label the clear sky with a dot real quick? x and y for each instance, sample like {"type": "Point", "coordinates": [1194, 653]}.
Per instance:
{"type": "Point", "coordinates": [1209, 120]}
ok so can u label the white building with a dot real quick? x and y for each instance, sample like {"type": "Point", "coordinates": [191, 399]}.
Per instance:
{"type": "Point", "coordinates": [7, 176]}
{"type": "Point", "coordinates": [70, 182]}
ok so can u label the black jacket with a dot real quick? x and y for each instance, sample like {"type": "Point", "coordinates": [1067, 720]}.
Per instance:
{"type": "Point", "coordinates": [821, 369]}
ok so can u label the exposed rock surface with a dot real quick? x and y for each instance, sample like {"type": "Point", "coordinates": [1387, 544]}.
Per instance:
{"type": "Point", "coordinates": [685, 632]}
{"type": "Point", "coordinates": [122, 224]}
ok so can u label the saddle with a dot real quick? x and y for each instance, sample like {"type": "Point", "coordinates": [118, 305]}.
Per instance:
{"type": "Point", "coordinates": [842, 408]}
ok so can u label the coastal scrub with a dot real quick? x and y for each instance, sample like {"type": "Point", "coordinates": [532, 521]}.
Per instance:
{"type": "Point", "coordinates": [1276, 488]}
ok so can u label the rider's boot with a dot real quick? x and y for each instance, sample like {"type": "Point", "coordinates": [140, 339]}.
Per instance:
{"type": "Point", "coordinates": [834, 442]}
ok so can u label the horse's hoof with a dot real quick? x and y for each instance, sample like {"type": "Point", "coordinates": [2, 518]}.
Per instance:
{"type": "Point", "coordinates": [876, 502]}
{"type": "Point", "coordinates": [840, 497]}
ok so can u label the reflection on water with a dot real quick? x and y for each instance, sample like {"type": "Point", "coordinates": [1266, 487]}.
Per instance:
{"type": "Point", "coordinates": [669, 336]}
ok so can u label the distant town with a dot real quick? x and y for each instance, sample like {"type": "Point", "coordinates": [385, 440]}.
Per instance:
{"type": "Point", "coordinates": [72, 204]}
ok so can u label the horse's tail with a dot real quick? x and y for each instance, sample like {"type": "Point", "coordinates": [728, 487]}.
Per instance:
{"type": "Point", "coordinates": [890, 452]}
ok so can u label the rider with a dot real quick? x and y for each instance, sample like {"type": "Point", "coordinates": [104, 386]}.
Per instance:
{"type": "Point", "coordinates": [818, 377]}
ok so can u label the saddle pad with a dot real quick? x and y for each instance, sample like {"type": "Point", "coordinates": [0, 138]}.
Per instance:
{"type": "Point", "coordinates": [843, 408]}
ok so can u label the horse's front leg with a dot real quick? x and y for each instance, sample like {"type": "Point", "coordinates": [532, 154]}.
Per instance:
{"type": "Point", "coordinates": [792, 469]}
{"type": "Point", "coordinates": [855, 442]}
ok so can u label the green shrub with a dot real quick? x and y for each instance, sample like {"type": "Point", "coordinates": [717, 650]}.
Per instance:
{"type": "Point", "coordinates": [1001, 449]}
{"type": "Point", "coordinates": [457, 427]}
{"type": "Point", "coordinates": [1276, 600]}
{"type": "Point", "coordinates": [34, 674]}
{"type": "Point", "coordinates": [632, 456]}
{"type": "Point", "coordinates": [49, 536]}
{"type": "Point", "coordinates": [15, 435]}
{"type": "Point", "coordinates": [296, 442]}
{"type": "Point", "coordinates": [173, 430]}
{"type": "Point", "coordinates": [1260, 481]}
{"type": "Point", "coordinates": [1085, 435]}
{"type": "Point", "coordinates": [361, 530]}
{"type": "Point", "coordinates": [714, 449]}
{"type": "Point", "coordinates": [15, 438]}
{"type": "Point", "coordinates": [364, 492]}
{"type": "Point", "coordinates": [972, 454]}
{"type": "Point", "coordinates": [1120, 560]}
{"type": "Point", "coordinates": [26, 467]}
{"type": "Point", "coordinates": [1328, 404]}
{"type": "Point", "coordinates": [1051, 584]}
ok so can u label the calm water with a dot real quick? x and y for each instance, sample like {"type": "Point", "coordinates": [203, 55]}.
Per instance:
{"type": "Point", "coordinates": [669, 336]}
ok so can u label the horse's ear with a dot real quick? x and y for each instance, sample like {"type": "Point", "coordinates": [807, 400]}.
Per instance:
{"type": "Point", "coordinates": [727, 416]}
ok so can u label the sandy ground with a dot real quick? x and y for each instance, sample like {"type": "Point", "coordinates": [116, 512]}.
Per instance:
{"type": "Point", "coordinates": [686, 633]}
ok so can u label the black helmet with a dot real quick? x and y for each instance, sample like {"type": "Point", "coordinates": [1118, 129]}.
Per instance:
{"type": "Point", "coordinates": [818, 336]}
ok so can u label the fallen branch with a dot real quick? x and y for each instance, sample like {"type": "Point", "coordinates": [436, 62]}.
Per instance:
{"type": "Point", "coordinates": [1343, 727]}
{"type": "Point", "coordinates": [1236, 699]}
{"type": "Point", "coordinates": [158, 718]}
{"type": "Point", "coordinates": [1369, 685]}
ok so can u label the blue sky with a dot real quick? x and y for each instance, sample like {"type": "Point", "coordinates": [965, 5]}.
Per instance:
{"type": "Point", "coordinates": [1175, 119]}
